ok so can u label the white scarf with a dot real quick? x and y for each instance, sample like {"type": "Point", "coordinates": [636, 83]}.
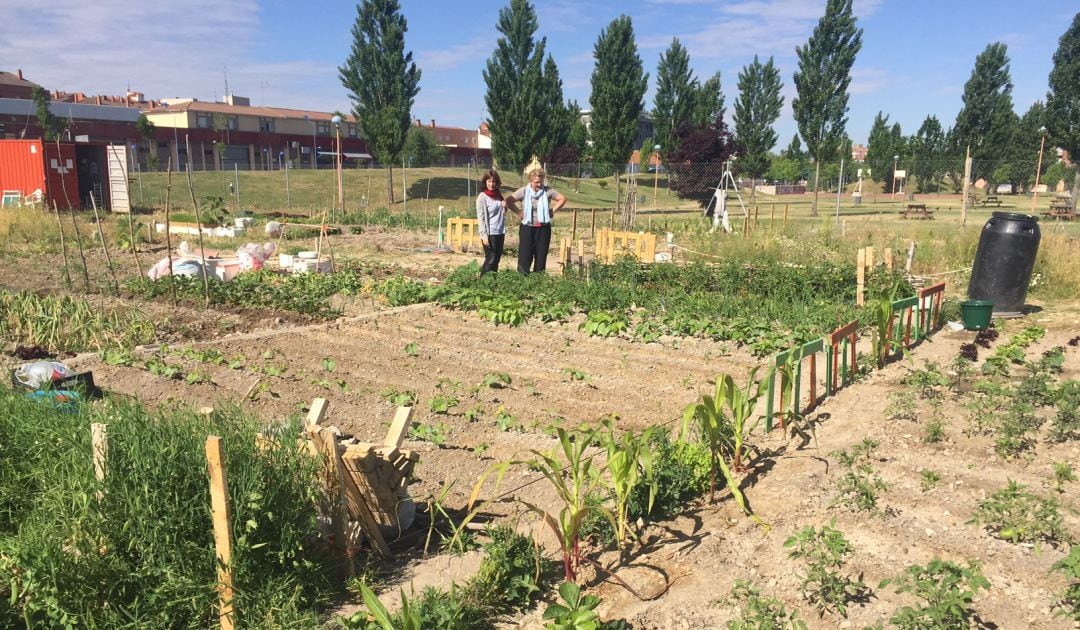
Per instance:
{"type": "Point", "coordinates": [543, 212]}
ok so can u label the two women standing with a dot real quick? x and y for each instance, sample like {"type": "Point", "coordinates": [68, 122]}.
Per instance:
{"type": "Point", "coordinates": [539, 204]}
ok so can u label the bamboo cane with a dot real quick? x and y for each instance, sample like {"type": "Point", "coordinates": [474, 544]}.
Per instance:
{"type": "Point", "coordinates": [104, 246]}
{"type": "Point", "coordinates": [199, 229]}
{"type": "Point", "coordinates": [63, 246]}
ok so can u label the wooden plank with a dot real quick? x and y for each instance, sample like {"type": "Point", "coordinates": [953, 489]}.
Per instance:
{"type": "Point", "coordinates": [100, 448]}
{"type": "Point", "coordinates": [315, 415]}
{"type": "Point", "coordinates": [358, 508]}
{"type": "Point", "coordinates": [326, 442]}
{"type": "Point", "coordinates": [399, 428]}
{"type": "Point", "coordinates": [221, 512]}
{"type": "Point", "coordinates": [860, 277]}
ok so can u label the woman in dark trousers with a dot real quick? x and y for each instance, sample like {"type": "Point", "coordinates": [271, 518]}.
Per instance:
{"type": "Point", "coordinates": [538, 205]}
{"type": "Point", "coordinates": [491, 219]}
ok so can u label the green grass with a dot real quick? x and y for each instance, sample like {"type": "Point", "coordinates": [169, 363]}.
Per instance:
{"type": "Point", "coordinates": [143, 555]}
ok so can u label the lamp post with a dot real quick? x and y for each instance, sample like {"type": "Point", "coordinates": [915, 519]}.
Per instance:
{"type": "Point", "coordinates": [1038, 168]}
{"type": "Point", "coordinates": [656, 174]}
{"type": "Point", "coordinates": [314, 128]}
{"type": "Point", "coordinates": [340, 183]}
{"type": "Point", "coordinates": [895, 159]}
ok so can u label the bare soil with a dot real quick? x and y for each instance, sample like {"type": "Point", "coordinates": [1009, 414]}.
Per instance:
{"type": "Point", "coordinates": [561, 377]}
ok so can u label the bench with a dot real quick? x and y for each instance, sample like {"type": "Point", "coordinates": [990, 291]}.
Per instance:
{"type": "Point", "coordinates": [916, 211]}
{"type": "Point", "coordinates": [991, 200]}
{"type": "Point", "coordinates": [1060, 210]}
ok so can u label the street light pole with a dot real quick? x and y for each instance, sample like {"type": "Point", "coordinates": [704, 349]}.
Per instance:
{"type": "Point", "coordinates": [895, 159]}
{"type": "Point", "coordinates": [656, 174]}
{"type": "Point", "coordinates": [340, 182]}
{"type": "Point", "coordinates": [1038, 168]}
{"type": "Point", "coordinates": [314, 128]}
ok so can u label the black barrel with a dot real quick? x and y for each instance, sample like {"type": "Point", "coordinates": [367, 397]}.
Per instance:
{"type": "Point", "coordinates": [1004, 261]}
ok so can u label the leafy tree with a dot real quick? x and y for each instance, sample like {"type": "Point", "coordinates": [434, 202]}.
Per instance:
{"type": "Point", "coordinates": [50, 124]}
{"type": "Point", "coordinates": [673, 104]}
{"type": "Point", "coordinates": [784, 169]}
{"type": "Point", "coordinates": [1058, 172]}
{"type": "Point", "coordinates": [559, 121]}
{"type": "Point", "coordinates": [1023, 153]}
{"type": "Point", "coordinates": [986, 121]}
{"type": "Point", "coordinates": [708, 102]}
{"type": "Point", "coordinates": [793, 151]}
{"type": "Point", "coordinates": [146, 128]}
{"type": "Point", "coordinates": [382, 81]}
{"type": "Point", "coordinates": [928, 154]}
{"type": "Point", "coordinates": [514, 75]}
{"type": "Point", "coordinates": [880, 149]}
{"type": "Point", "coordinates": [1063, 98]}
{"type": "Point", "coordinates": [756, 110]}
{"type": "Point", "coordinates": [645, 154]}
{"type": "Point", "coordinates": [422, 146]}
{"type": "Point", "coordinates": [711, 144]}
{"type": "Point", "coordinates": [821, 83]}
{"type": "Point", "coordinates": [565, 158]}
{"type": "Point", "coordinates": [618, 85]}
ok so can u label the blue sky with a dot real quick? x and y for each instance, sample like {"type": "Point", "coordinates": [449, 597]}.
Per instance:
{"type": "Point", "coordinates": [916, 54]}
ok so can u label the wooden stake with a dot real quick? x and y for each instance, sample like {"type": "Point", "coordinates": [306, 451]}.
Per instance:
{"type": "Point", "coordinates": [104, 246]}
{"type": "Point", "coordinates": [315, 415]}
{"type": "Point", "coordinates": [63, 245]}
{"type": "Point", "coordinates": [755, 217]}
{"type": "Point", "coordinates": [592, 230]}
{"type": "Point", "coordinates": [168, 236]}
{"type": "Point", "coordinates": [573, 227]}
{"type": "Point", "coordinates": [221, 511]}
{"type": "Point", "coordinates": [399, 427]}
{"type": "Point", "coordinates": [870, 257]}
{"type": "Point", "coordinates": [82, 255]}
{"type": "Point", "coordinates": [860, 277]}
{"type": "Point", "coordinates": [100, 448]}
{"type": "Point", "coordinates": [134, 248]}
{"type": "Point", "coordinates": [199, 229]}
{"type": "Point", "coordinates": [785, 215]}
{"type": "Point", "coordinates": [888, 258]}
{"type": "Point", "coordinates": [910, 257]}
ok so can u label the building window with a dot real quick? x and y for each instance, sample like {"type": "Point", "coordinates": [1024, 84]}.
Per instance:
{"type": "Point", "coordinates": [323, 127]}
{"type": "Point", "coordinates": [204, 121]}
{"type": "Point", "coordinates": [266, 125]}
{"type": "Point", "coordinates": [232, 123]}
{"type": "Point", "coordinates": [352, 130]}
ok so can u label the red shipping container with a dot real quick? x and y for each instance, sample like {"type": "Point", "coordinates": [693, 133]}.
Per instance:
{"type": "Point", "coordinates": [29, 166]}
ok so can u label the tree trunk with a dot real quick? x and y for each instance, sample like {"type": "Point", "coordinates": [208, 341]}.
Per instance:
{"type": "Point", "coordinates": [817, 174]}
{"type": "Point", "coordinates": [1076, 189]}
{"type": "Point", "coordinates": [389, 185]}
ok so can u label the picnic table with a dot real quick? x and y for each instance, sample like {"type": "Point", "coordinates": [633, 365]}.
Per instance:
{"type": "Point", "coordinates": [991, 200]}
{"type": "Point", "coordinates": [916, 211]}
{"type": "Point", "coordinates": [1061, 210]}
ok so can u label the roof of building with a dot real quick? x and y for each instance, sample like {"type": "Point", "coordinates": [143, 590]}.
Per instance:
{"type": "Point", "coordinates": [225, 108]}
{"type": "Point", "coordinates": [8, 78]}
{"type": "Point", "coordinates": [24, 107]}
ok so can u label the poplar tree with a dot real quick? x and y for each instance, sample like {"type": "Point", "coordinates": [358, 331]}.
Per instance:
{"type": "Point", "coordinates": [557, 117]}
{"type": "Point", "coordinates": [986, 121]}
{"type": "Point", "coordinates": [757, 109]}
{"type": "Point", "coordinates": [821, 83]}
{"type": "Point", "coordinates": [673, 104]}
{"type": "Point", "coordinates": [1023, 152]}
{"type": "Point", "coordinates": [708, 102]}
{"type": "Point", "coordinates": [1063, 98]}
{"type": "Point", "coordinates": [928, 153]}
{"type": "Point", "coordinates": [50, 124]}
{"type": "Point", "coordinates": [618, 86]}
{"type": "Point", "coordinates": [382, 81]}
{"type": "Point", "coordinates": [880, 149]}
{"type": "Point", "coordinates": [514, 76]}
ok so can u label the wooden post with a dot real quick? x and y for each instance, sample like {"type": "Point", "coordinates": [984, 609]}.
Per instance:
{"type": "Point", "coordinates": [399, 427]}
{"type": "Point", "coordinates": [755, 217]}
{"type": "Point", "coordinates": [785, 215]}
{"type": "Point", "coordinates": [100, 448]}
{"type": "Point", "coordinates": [221, 511]}
{"type": "Point", "coordinates": [910, 257]}
{"type": "Point", "coordinates": [592, 230]}
{"type": "Point", "coordinates": [573, 227]}
{"type": "Point", "coordinates": [860, 277]}
{"type": "Point", "coordinates": [745, 225]}
{"type": "Point", "coordinates": [967, 186]}
{"type": "Point", "coordinates": [888, 258]}
{"type": "Point", "coordinates": [870, 258]}
{"type": "Point", "coordinates": [772, 213]}
{"type": "Point", "coordinates": [315, 415]}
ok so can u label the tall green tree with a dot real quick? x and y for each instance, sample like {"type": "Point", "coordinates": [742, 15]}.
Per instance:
{"type": "Point", "coordinates": [1063, 98]}
{"type": "Point", "coordinates": [757, 109]}
{"type": "Point", "coordinates": [821, 83]}
{"type": "Point", "coordinates": [986, 120]}
{"type": "Point", "coordinates": [708, 102]}
{"type": "Point", "coordinates": [879, 149]}
{"type": "Point", "coordinates": [559, 118]}
{"type": "Point", "coordinates": [422, 148]}
{"type": "Point", "coordinates": [1023, 152]}
{"type": "Point", "coordinates": [382, 81]}
{"type": "Point", "coordinates": [514, 75]}
{"type": "Point", "coordinates": [928, 155]}
{"type": "Point", "coordinates": [618, 86]}
{"type": "Point", "coordinates": [51, 125]}
{"type": "Point", "coordinates": [673, 104]}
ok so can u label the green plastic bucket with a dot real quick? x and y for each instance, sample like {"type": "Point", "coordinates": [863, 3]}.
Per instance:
{"type": "Point", "coordinates": [976, 314]}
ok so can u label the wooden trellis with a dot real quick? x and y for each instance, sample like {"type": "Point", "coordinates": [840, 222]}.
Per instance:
{"type": "Point", "coordinates": [463, 234]}
{"type": "Point", "coordinates": [611, 244]}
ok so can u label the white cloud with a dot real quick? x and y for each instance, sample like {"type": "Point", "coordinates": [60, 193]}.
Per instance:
{"type": "Point", "coordinates": [868, 80]}
{"type": "Point", "coordinates": [449, 58]}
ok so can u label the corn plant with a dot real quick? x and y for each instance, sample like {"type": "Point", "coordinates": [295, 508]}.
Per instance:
{"type": "Point", "coordinates": [574, 478]}
{"type": "Point", "coordinates": [740, 402]}
{"type": "Point", "coordinates": [881, 317]}
{"type": "Point", "coordinates": [628, 459]}
{"type": "Point", "coordinates": [708, 416]}
{"type": "Point", "coordinates": [407, 619]}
